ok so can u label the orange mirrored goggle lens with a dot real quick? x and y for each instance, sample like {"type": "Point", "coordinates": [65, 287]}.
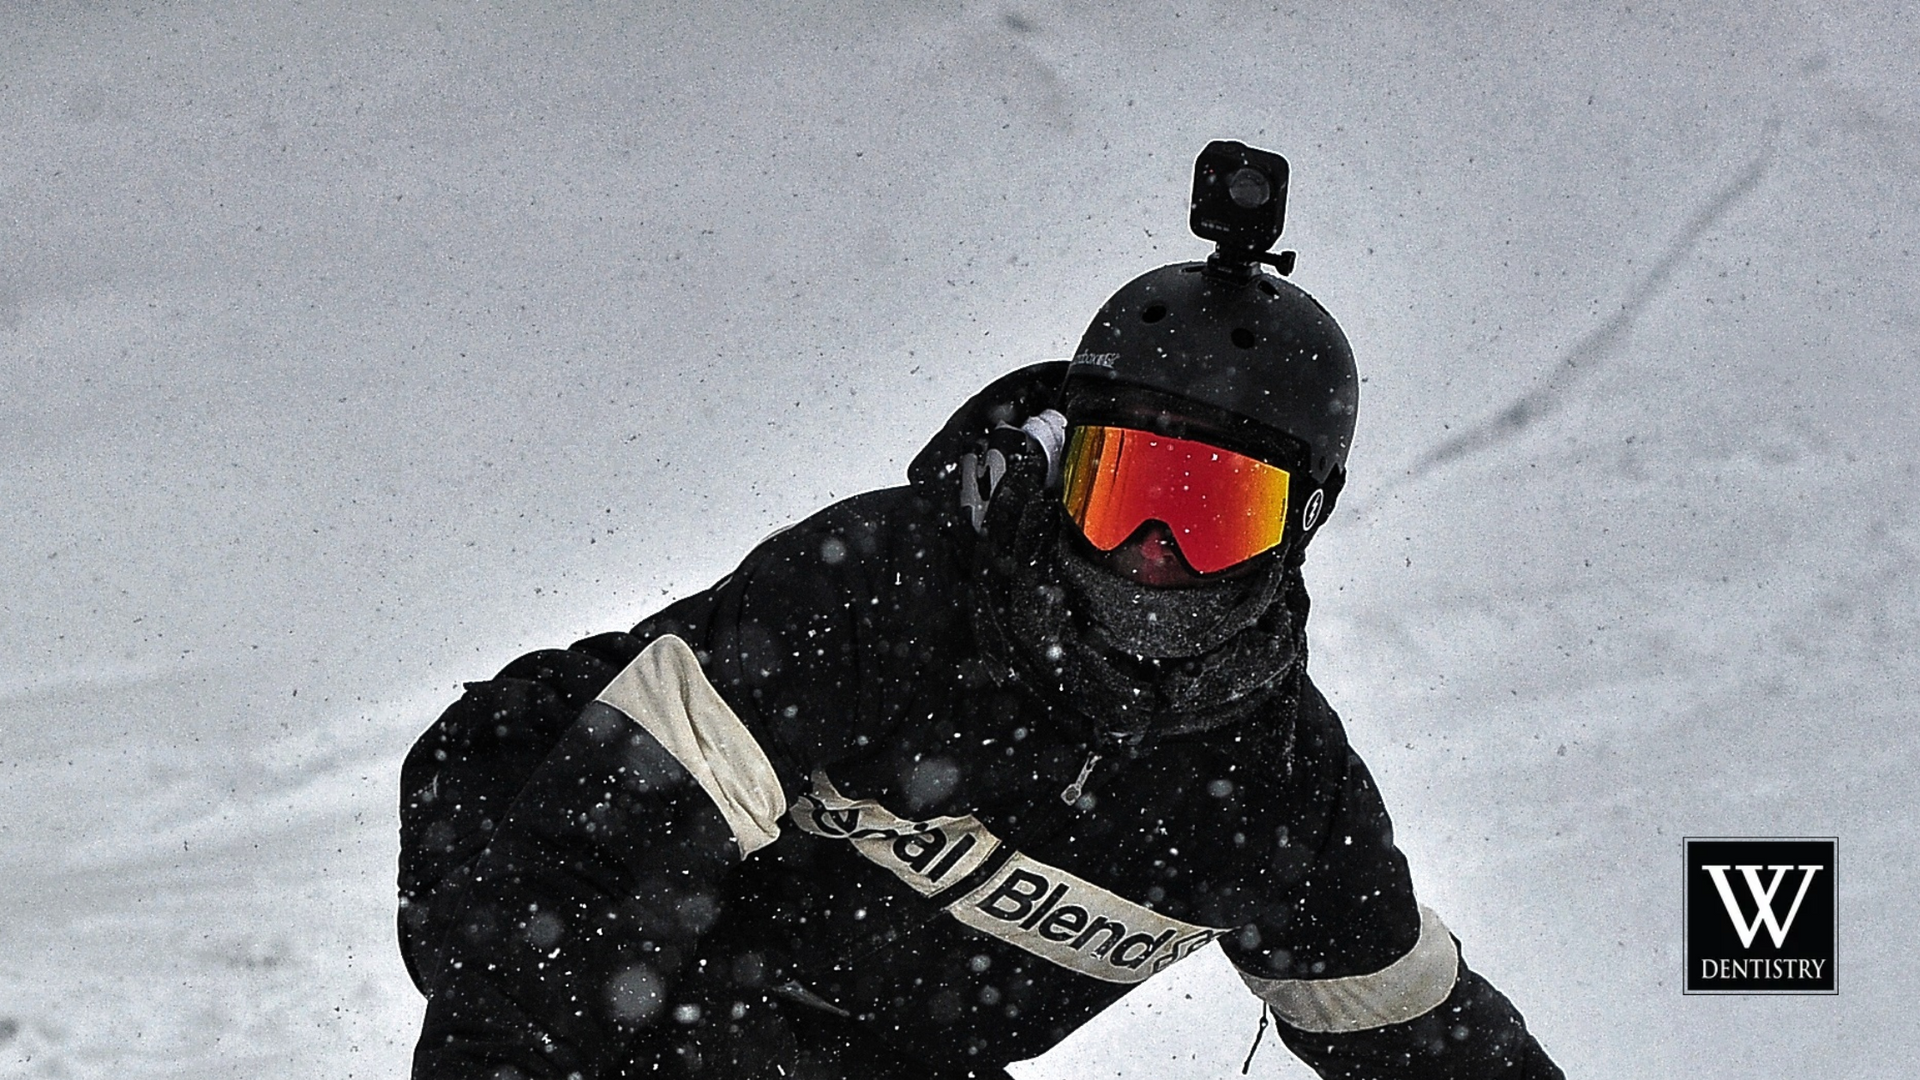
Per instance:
{"type": "Point", "coordinates": [1222, 507]}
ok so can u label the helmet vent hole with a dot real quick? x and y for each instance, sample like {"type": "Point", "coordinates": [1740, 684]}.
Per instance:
{"type": "Point", "coordinates": [1153, 313]}
{"type": "Point", "coordinates": [1242, 337]}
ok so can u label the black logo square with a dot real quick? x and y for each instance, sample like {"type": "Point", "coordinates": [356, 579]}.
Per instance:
{"type": "Point", "coordinates": [1760, 915]}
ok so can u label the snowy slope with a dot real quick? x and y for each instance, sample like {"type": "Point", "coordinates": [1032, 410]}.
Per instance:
{"type": "Point", "coordinates": [345, 354]}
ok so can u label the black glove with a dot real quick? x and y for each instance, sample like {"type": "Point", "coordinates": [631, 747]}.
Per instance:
{"type": "Point", "coordinates": [1012, 466]}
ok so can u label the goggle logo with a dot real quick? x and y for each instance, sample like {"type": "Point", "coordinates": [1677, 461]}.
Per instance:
{"type": "Point", "coordinates": [1310, 513]}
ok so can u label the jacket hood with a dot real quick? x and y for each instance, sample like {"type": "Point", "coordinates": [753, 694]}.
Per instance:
{"type": "Point", "coordinates": [1008, 399]}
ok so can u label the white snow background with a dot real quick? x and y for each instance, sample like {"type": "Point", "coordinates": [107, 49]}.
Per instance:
{"type": "Point", "coordinates": [347, 351]}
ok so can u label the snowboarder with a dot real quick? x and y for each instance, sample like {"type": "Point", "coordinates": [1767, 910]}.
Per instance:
{"type": "Point", "coordinates": [944, 770]}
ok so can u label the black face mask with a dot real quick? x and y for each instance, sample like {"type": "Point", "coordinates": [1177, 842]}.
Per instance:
{"type": "Point", "coordinates": [1136, 661]}
{"type": "Point", "coordinates": [1124, 616]}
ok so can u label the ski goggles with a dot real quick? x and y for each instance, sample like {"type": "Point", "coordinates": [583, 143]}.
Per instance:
{"type": "Point", "coordinates": [1223, 508]}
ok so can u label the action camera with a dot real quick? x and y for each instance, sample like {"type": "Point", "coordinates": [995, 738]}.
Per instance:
{"type": "Point", "coordinates": [1240, 203]}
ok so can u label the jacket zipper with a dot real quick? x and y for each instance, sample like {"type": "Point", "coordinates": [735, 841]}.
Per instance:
{"type": "Point", "coordinates": [1072, 794]}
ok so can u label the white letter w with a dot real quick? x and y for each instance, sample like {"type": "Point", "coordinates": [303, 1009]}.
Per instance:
{"type": "Point", "coordinates": [1762, 899]}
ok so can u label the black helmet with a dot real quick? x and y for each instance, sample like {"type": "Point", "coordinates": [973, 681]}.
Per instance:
{"type": "Point", "coordinates": [1255, 351]}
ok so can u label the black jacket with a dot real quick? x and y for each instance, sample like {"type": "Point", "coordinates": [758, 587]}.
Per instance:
{"type": "Point", "coordinates": [804, 795]}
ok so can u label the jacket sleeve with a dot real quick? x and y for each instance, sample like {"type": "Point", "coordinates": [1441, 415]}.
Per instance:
{"type": "Point", "coordinates": [582, 912]}
{"type": "Point", "coordinates": [562, 949]}
{"type": "Point", "coordinates": [1364, 982]}
{"type": "Point", "coordinates": [1474, 1034]}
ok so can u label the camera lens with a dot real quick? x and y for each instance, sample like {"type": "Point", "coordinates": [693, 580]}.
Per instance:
{"type": "Point", "coordinates": [1249, 188]}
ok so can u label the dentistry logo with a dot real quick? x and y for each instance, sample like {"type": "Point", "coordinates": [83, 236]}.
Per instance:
{"type": "Point", "coordinates": [1760, 915]}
